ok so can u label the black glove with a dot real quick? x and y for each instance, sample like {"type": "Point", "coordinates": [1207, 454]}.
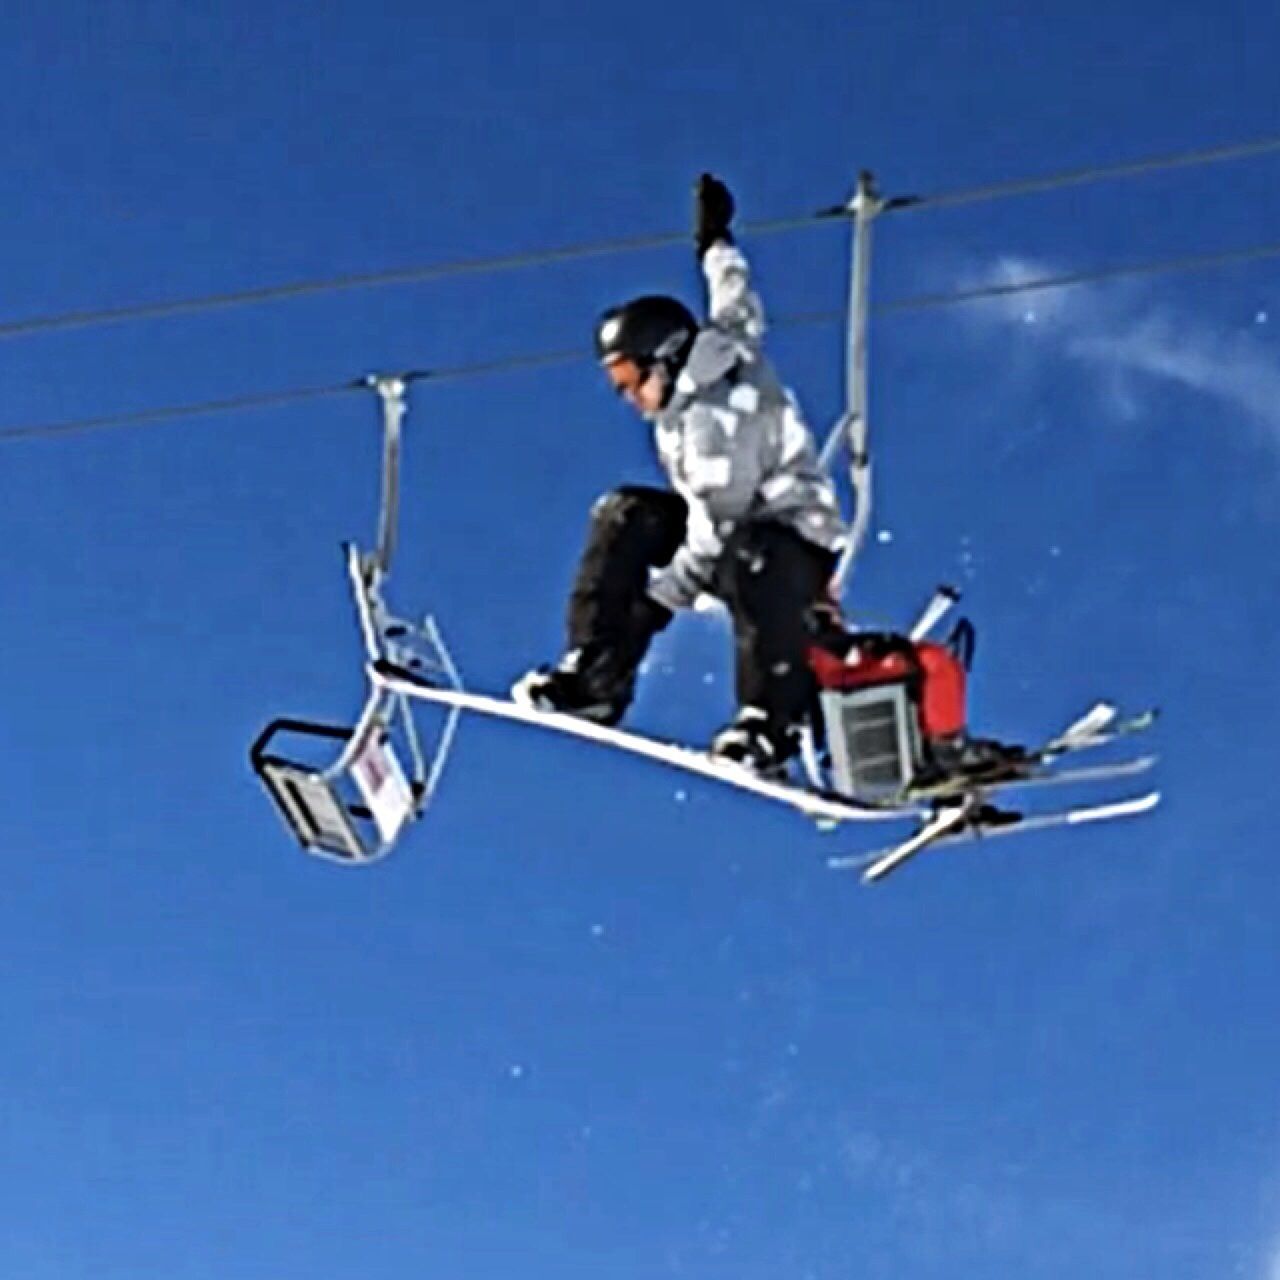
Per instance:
{"type": "Point", "coordinates": [712, 213]}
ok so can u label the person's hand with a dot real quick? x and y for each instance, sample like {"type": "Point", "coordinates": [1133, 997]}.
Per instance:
{"type": "Point", "coordinates": [712, 213]}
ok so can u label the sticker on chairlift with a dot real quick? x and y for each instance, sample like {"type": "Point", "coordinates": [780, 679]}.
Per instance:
{"type": "Point", "coordinates": [383, 785]}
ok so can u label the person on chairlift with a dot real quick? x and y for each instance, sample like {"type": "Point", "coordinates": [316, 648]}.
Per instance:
{"type": "Point", "coordinates": [751, 517]}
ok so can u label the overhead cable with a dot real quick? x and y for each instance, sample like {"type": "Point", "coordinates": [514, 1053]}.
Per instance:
{"type": "Point", "coordinates": [548, 359]}
{"type": "Point", "coordinates": [1094, 173]}
{"type": "Point", "coordinates": [90, 318]}
{"type": "Point", "coordinates": [173, 412]}
{"type": "Point", "coordinates": [368, 280]}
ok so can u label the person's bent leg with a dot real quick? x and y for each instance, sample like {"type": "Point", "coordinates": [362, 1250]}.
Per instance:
{"type": "Point", "coordinates": [770, 579]}
{"type": "Point", "coordinates": [633, 530]}
{"type": "Point", "coordinates": [611, 619]}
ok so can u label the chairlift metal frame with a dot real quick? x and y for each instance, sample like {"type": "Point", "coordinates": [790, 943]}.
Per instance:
{"type": "Point", "coordinates": [353, 810]}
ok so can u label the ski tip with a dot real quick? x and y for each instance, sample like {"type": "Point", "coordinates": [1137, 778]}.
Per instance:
{"type": "Point", "coordinates": [876, 871]}
{"type": "Point", "coordinates": [1130, 808]}
{"type": "Point", "coordinates": [1144, 804]}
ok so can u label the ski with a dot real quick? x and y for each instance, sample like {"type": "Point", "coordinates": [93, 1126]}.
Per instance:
{"type": "Point", "coordinates": [966, 826]}
{"type": "Point", "coordinates": [1097, 728]}
{"type": "Point", "coordinates": [938, 828]}
{"type": "Point", "coordinates": [1041, 777]}
{"type": "Point", "coordinates": [1097, 720]}
{"type": "Point", "coordinates": [964, 814]}
{"type": "Point", "coordinates": [1088, 773]}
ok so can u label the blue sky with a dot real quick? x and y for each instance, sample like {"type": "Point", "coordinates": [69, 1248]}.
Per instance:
{"type": "Point", "coordinates": [594, 1019]}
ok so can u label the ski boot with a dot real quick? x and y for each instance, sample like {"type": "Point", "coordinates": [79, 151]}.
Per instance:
{"type": "Point", "coordinates": [959, 759]}
{"type": "Point", "coordinates": [752, 741]}
{"type": "Point", "coordinates": [580, 684]}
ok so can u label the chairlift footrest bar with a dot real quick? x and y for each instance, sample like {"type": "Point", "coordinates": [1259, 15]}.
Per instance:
{"type": "Point", "coordinates": [323, 807]}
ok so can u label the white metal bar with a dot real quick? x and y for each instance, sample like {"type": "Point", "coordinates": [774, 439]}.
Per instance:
{"type": "Point", "coordinates": [813, 806]}
{"type": "Point", "coordinates": [376, 713]}
{"type": "Point", "coordinates": [447, 733]}
{"type": "Point", "coordinates": [362, 589]}
{"type": "Point", "coordinates": [391, 391]}
{"type": "Point", "coordinates": [865, 206]}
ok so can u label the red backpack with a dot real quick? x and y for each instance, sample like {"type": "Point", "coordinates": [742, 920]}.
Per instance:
{"type": "Point", "coordinates": [934, 674]}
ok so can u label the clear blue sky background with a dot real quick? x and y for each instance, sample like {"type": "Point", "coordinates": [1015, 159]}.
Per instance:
{"type": "Point", "coordinates": [579, 1025]}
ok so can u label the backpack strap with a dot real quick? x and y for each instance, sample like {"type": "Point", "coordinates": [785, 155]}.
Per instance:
{"type": "Point", "coordinates": [962, 641]}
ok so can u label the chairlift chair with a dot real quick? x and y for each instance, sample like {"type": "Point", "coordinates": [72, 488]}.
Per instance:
{"type": "Point", "coordinates": [354, 809]}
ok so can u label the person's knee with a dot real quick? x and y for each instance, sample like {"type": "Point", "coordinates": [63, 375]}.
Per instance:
{"type": "Point", "coordinates": [611, 507]}
{"type": "Point", "coordinates": [651, 518]}
{"type": "Point", "coordinates": [639, 497]}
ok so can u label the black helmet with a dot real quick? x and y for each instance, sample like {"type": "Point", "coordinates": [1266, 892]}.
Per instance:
{"type": "Point", "coordinates": [653, 330]}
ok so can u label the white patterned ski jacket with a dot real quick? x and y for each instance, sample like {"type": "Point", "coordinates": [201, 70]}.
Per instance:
{"type": "Point", "coordinates": [732, 439]}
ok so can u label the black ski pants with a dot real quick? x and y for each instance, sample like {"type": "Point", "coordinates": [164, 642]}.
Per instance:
{"type": "Point", "coordinates": [768, 576]}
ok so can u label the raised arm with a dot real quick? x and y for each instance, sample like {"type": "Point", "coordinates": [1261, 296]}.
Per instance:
{"type": "Point", "coordinates": [732, 304]}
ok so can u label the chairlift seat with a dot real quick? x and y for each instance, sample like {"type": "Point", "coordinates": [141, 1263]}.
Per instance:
{"type": "Point", "coordinates": [350, 811]}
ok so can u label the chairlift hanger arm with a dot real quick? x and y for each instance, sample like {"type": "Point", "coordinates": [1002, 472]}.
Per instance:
{"type": "Point", "coordinates": [391, 392]}
{"type": "Point", "coordinates": [863, 208]}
